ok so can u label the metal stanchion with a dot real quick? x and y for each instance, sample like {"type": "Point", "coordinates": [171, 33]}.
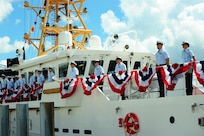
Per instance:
{"type": "Point", "coordinates": [4, 120]}
{"type": "Point", "coordinates": [22, 120]}
{"type": "Point", "coordinates": [47, 119]}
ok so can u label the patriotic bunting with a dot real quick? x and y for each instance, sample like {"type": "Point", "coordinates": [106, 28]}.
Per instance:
{"type": "Point", "coordinates": [17, 93]}
{"type": "Point", "coordinates": [90, 83]}
{"type": "Point", "coordinates": [68, 87]}
{"type": "Point", "coordinates": [36, 90]}
{"type": "Point", "coordinates": [26, 93]}
{"type": "Point", "coordinates": [199, 71]}
{"type": "Point", "coordinates": [143, 78]}
{"type": "Point", "coordinates": [118, 81]}
{"type": "Point", "coordinates": [172, 73]}
{"type": "Point", "coordinates": [8, 97]}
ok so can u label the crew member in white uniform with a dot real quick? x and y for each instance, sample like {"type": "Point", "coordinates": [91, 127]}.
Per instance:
{"type": "Point", "coordinates": [3, 82]}
{"type": "Point", "coordinates": [51, 74]}
{"type": "Point", "coordinates": [17, 87]}
{"type": "Point", "coordinates": [10, 85]}
{"type": "Point", "coordinates": [40, 82]}
{"type": "Point", "coordinates": [17, 84]}
{"type": "Point", "coordinates": [188, 56]}
{"type": "Point", "coordinates": [32, 79]}
{"type": "Point", "coordinates": [162, 58]}
{"type": "Point", "coordinates": [98, 70]}
{"type": "Point", "coordinates": [40, 78]}
{"type": "Point", "coordinates": [74, 72]}
{"type": "Point", "coordinates": [23, 80]}
{"type": "Point", "coordinates": [120, 66]}
{"type": "Point", "coordinates": [3, 85]}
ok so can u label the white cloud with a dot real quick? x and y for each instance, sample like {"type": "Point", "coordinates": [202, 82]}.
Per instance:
{"type": "Point", "coordinates": [2, 64]}
{"type": "Point", "coordinates": [133, 8]}
{"type": "Point", "coordinates": [17, 21]}
{"type": "Point", "coordinates": [7, 47]}
{"type": "Point", "coordinates": [111, 23]}
{"type": "Point", "coordinates": [171, 21]}
{"type": "Point", "coordinates": [192, 12]}
{"type": "Point", "coordinates": [6, 8]}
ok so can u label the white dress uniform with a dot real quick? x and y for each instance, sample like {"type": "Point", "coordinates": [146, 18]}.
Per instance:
{"type": "Point", "coordinates": [23, 82]}
{"type": "Point", "coordinates": [98, 70]}
{"type": "Point", "coordinates": [73, 72]}
{"type": "Point", "coordinates": [40, 79]}
{"type": "Point", "coordinates": [120, 67]}
{"type": "Point", "coordinates": [161, 57]}
{"type": "Point", "coordinates": [32, 80]}
{"type": "Point", "coordinates": [51, 74]}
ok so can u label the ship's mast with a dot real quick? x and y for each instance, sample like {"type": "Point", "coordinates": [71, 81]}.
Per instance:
{"type": "Point", "coordinates": [50, 27]}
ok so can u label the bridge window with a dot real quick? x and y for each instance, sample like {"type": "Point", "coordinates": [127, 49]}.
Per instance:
{"type": "Point", "coordinates": [81, 65]}
{"type": "Point", "coordinates": [45, 73]}
{"type": "Point", "coordinates": [137, 65]}
{"type": "Point", "coordinates": [92, 66]}
{"type": "Point", "coordinates": [63, 68]}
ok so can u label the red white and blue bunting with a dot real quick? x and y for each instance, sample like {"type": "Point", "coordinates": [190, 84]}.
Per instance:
{"type": "Point", "coordinates": [118, 81]}
{"type": "Point", "coordinates": [143, 78]}
{"type": "Point", "coordinates": [26, 92]}
{"type": "Point", "coordinates": [35, 90]}
{"type": "Point", "coordinates": [68, 87]}
{"type": "Point", "coordinates": [199, 71]}
{"type": "Point", "coordinates": [172, 73]}
{"type": "Point", "coordinates": [91, 82]}
{"type": "Point", "coordinates": [17, 92]}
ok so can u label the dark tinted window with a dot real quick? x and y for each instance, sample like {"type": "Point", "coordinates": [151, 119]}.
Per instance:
{"type": "Point", "coordinates": [137, 65]}
{"type": "Point", "coordinates": [63, 68]}
{"type": "Point", "coordinates": [81, 65]}
{"type": "Point", "coordinates": [45, 73]}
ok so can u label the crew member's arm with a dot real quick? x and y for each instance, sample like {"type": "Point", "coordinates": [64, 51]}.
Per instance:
{"type": "Point", "coordinates": [194, 59]}
{"type": "Point", "coordinates": [167, 61]}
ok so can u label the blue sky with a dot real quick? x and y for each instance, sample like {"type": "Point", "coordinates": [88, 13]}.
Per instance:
{"type": "Point", "coordinates": [171, 21]}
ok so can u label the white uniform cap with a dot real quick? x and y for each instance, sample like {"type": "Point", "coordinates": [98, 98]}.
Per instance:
{"type": "Point", "coordinates": [97, 60]}
{"type": "Point", "coordinates": [39, 70]}
{"type": "Point", "coordinates": [73, 62]}
{"type": "Point", "coordinates": [118, 58]}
